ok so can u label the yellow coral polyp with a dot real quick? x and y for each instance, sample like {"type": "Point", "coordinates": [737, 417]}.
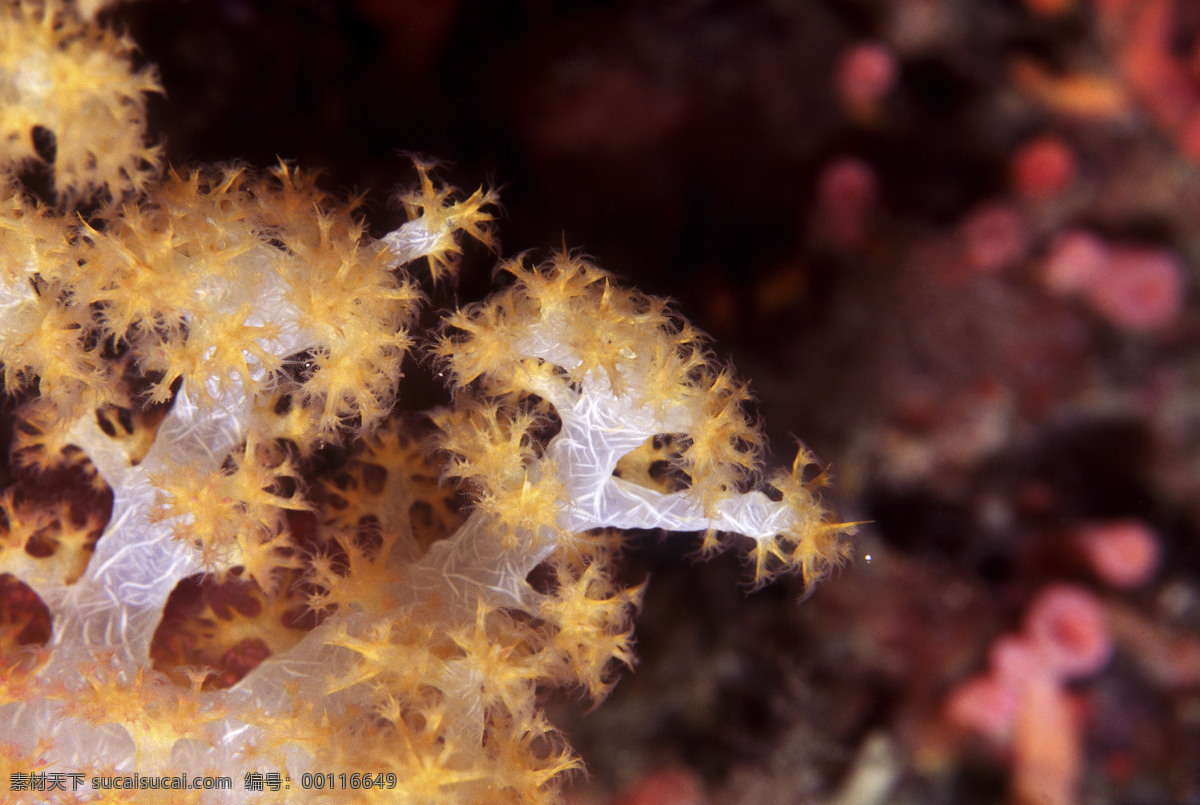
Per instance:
{"type": "Point", "coordinates": [441, 215]}
{"type": "Point", "coordinates": [76, 81]}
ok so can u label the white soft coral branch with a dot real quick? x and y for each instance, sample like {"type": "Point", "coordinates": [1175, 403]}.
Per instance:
{"type": "Point", "coordinates": [599, 425]}
{"type": "Point", "coordinates": [107, 618]}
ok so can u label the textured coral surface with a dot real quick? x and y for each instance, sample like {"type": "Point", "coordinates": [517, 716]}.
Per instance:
{"type": "Point", "coordinates": [231, 565]}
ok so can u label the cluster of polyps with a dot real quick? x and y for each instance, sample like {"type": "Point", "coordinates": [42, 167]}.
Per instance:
{"type": "Point", "coordinates": [220, 353]}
